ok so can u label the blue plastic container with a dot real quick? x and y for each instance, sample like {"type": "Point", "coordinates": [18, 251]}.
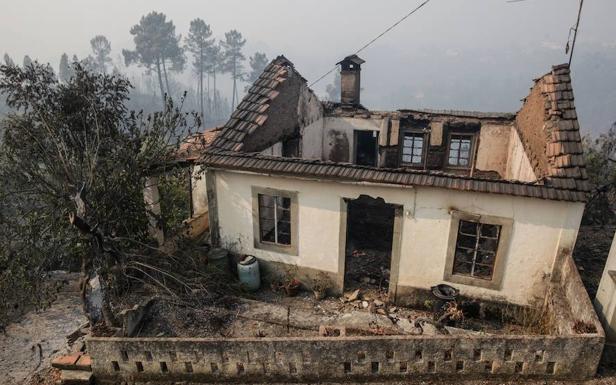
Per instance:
{"type": "Point", "coordinates": [248, 273]}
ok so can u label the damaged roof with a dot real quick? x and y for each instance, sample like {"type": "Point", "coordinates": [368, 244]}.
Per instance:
{"type": "Point", "coordinates": [251, 113]}
{"type": "Point", "coordinates": [557, 159]}
{"type": "Point", "coordinates": [564, 151]}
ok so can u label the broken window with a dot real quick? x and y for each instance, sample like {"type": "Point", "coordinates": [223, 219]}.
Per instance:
{"type": "Point", "coordinates": [413, 148]}
{"type": "Point", "coordinates": [476, 247]}
{"type": "Point", "coordinates": [275, 219]}
{"type": "Point", "coordinates": [460, 150]}
{"type": "Point", "coordinates": [366, 147]}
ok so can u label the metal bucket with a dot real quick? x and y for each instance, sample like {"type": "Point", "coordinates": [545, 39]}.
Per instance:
{"type": "Point", "coordinates": [248, 273]}
{"type": "Point", "coordinates": [443, 294]}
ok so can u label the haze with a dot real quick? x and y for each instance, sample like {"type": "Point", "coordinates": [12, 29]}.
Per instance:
{"type": "Point", "coordinates": [453, 54]}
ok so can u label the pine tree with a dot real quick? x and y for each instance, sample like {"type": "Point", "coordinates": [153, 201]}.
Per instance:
{"type": "Point", "coordinates": [214, 65]}
{"type": "Point", "coordinates": [101, 49]}
{"type": "Point", "coordinates": [8, 61]}
{"type": "Point", "coordinates": [27, 61]}
{"type": "Point", "coordinates": [156, 44]}
{"type": "Point", "coordinates": [65, 71]}
{"type": "Point", "coordinates": [258, 62]}
{"type": "Point", "coordinates": [198, 43]}
{"type": "Point", "coordinates": [233, 59]}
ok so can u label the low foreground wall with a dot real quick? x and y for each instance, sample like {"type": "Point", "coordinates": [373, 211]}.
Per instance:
{"type": "Point", "coordinates": [567, 354]}
{"type": "Point", "coordinates": [340, 358]}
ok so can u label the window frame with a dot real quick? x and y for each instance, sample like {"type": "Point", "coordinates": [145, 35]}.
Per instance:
{"type": "Point", "coordinates": [291, 248]}
{"type": "Point", "coordinates": [424, 150]}
{"type": "Point", "coordinates": [506, 226]}
{"type": "Point", "coordinates": [471, 159]}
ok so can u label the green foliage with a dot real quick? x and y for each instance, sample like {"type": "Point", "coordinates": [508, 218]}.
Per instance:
{"type": "Point", "coordinates": [600, 155]}
{"type": "Point", "coordinates": [174, 190]}
{"type": "Point", "coordinates": [74, 148]}
{"type": "Point", "coordinates": [601, 158]}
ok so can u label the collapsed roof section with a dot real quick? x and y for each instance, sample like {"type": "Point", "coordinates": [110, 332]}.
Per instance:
{"type": "Point", "coordinates": [271, 112]}
{"type": "Point", "coordinates": [548, 127]}
{"type": "Point", "coordinates": [268, 112]}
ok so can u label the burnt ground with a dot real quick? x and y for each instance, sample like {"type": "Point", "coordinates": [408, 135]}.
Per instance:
{"type": "Point", "coordinates": [29, 344]}
{"type": "Point", "coordinates": [590, 254]}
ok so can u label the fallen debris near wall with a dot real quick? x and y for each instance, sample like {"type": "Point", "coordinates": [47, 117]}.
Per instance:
{"type": "Point", "coordinates": [566, 353]}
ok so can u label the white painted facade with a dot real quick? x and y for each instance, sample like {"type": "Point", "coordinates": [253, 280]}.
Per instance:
{"type": "Point", "coordinates": [542, 229]}
{"type": "Point", "coordinates": [605, 302]}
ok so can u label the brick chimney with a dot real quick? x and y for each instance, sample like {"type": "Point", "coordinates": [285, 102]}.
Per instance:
{"type": "Point", "coordinates": [350, 79]}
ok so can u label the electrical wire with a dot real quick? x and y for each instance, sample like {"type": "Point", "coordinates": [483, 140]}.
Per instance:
{"type": "Point", "coordinates": [375, 39]}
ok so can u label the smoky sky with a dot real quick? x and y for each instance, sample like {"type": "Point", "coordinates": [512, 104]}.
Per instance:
{"type": "Point", "coordinates": [454, 54]}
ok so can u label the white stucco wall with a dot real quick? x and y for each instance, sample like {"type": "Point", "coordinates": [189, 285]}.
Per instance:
{"type": "Point", "coordinates": [518, 165]}
{"type": "Point", "coordinates": [312, 140]}
{"type": "Point", "coordinates": [320, 137]}
{"type": "Point", "coordinates": [273, 150]}
{"type": "Point", "coordinates": [199, 192]}
{"type": "Point", "coordinates": [540, 229]}
{"type": "Point", "coordinates": [605, 302]}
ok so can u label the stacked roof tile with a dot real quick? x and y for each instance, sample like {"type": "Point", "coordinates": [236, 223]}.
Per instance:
{"type": "Point", "coordinates": [567, 169]}
{"type": "Point", "coordinates": [251, 113]}
{"type": "Point", "coordinates": [351, 172]}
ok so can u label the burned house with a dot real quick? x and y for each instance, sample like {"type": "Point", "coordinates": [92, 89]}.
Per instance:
{"type": "Point", "coordinates": [490, 202]}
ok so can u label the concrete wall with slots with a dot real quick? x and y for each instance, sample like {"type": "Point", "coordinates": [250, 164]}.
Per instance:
{"type": "Point", "coordinates": [338, 358]}
{"type": "Point", "coordinates": [541, 230]}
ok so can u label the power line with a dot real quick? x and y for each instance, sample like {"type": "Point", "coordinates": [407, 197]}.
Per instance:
{"type": "Point", "coordinates": [375, 39]}
{"type": "Point", "coordinates": [577, 25]}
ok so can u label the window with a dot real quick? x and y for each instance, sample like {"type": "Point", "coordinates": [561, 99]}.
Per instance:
{"type": "Point", "coordinates": [413, 148]}
{"type": "Point", "coordinates": [477, 248]}
{"type": "Point", "coordinates": [275, 220]}
{"type": "Point", "coordinates": [460, 147]}
{"type": "Point", "coordinates": [366, 148]}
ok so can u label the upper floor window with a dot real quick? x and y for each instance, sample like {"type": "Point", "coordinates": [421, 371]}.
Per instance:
{"type": "Point", "coordinates": [460, 154]}
{"type": "Point", "coordinates": [413, 146]}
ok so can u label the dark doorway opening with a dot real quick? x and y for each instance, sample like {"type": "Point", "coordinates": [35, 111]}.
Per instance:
{"type": "Point", "coordinates": [366, 148]}
{"type": "Point", "coordinates": [370, 231]}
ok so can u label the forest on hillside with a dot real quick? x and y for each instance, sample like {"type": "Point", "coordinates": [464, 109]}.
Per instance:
{"type": "Point", "coordinates": [161, 58]}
